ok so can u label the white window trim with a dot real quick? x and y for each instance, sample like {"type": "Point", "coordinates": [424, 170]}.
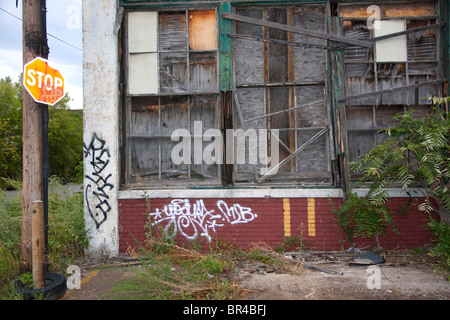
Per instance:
{"type": "Point", "coordinates": [255, 193]}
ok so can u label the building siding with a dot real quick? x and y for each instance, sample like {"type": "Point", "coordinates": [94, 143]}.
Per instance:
{"type": "Point", "coordinates": [269, 227]}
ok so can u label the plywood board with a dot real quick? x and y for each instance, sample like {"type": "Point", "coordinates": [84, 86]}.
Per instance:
{"type": "Point", "coordinates": [172, 31]}
{"type": "Point", "coordinates": [202, 30]}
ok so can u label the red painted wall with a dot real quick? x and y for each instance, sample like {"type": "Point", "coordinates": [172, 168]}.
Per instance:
{"type": "Point", "coordinates": [262, 220]}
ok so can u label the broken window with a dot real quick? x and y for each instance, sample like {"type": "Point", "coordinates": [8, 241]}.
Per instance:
{"type": "Point", "coordinates": [402, 61]}
{"type": "Point", "coordinates": [172, 84]}
{"type": "Point", "coordinates": [280, 82]}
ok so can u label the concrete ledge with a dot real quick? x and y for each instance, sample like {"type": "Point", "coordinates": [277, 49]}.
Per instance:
{"type": "Point", "coordinates": [253, 193]}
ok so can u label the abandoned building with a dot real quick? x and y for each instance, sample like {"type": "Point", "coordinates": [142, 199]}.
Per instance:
{"type": "Point", "coordinates": [237, 120]}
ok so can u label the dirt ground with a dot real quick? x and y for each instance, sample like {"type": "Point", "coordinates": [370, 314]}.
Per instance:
{"type": "Point", "coordinates": [315, 276]}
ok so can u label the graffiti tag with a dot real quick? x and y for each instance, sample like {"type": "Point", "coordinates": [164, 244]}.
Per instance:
{"type": "Point", "coordinates": [194, 220]}
{"type": "Point", "coordinates": [97, 156]}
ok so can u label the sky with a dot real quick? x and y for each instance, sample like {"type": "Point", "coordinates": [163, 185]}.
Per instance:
{"type": "Point", "coordinates": [64, 41]}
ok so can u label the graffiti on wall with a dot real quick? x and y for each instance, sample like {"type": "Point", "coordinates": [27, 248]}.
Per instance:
{"type": "Point", "coordinates": [97, 157]}
{"type": "Point", "coordinates": [193, 219]}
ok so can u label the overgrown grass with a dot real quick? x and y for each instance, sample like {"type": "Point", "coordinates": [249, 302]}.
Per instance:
{"type": "Point", "coordinates": [172, 272]}
{"type": "Point", "coordinates": [10, 235]}
{"type": "Point", "coordinates": [67, 236]}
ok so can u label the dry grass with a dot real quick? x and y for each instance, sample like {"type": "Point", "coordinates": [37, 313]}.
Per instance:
{"type": "Point", "coordinates": [171, 272]}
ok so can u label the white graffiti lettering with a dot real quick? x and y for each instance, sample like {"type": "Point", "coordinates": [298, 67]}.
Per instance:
{"type": "Point", "coordinates": [194, 220]}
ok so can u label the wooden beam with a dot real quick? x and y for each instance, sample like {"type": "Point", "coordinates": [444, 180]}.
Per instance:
{"type": "Point", "coordinates": [288, 43]}
{"type": "Point", "coordinates": [336, 74]}
{"type": "Point", "coordinates": [386, 91]}
{"type": "Point", "coordinates": [401, 33]}
{"type": "Point", "coordinates": [225, 50]}
{"type": "Point", "coordinates": [281, 84]}
{"type": "Point", "coordinates": [287, 110]}
{"type": "Point", "coordinates": [306, 32]}
{"type": "Point", "coordinates": [38, 244]}
{"type": "Point", "coordinates": [226, 98]}
{"type": "Point", "coordinates": [33, 168]}
{"type": "Point", "coordinates": [291, 76]}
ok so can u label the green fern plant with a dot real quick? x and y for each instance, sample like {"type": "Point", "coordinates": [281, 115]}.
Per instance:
{"type": "Point", "coordinates": [416, 155]}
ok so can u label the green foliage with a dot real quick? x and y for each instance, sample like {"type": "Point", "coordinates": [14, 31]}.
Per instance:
{"type": "Point", "coordinates": [65, 135]}
{"type": "Point", "coordinates": [360, 217]}
{"type": "Point", "coordinates": [442, 249]}
{"type": "Point", "coordinates": [65, 140]}
{"type": "Point", "coordinates": [27, 280]}
{"type": "Point", "coordinates": [162, 279]}
{"type": "Point", "coordinates": [67, 237]}
{"type": "Point", "coordinates": [416, 155]}
{"type": "Point", "coordinates": [10, 231]}
{"type": "Point", "coordinates": [292, 242]}
{"type": "Point", "coordinates": [10, 129]}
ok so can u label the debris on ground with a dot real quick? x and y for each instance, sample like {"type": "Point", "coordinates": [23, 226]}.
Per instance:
{"type": "Point", "coordinates": [369, 258]}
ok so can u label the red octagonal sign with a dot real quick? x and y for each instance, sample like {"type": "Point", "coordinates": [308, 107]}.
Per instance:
{"type": "Point", "coordinates": [45, 84]}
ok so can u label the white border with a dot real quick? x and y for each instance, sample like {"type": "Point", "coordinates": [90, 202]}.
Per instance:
{"type": "Point", "coordinates": [253, 193]}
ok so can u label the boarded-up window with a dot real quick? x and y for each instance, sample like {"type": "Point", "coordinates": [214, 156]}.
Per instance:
{"type": "Point", "coordinates": [172, 85]}
{"type": "Point", "coordinates": [272, 77]}
{"type": "Point", "coordinates": [280, 82]}
{"type": "Point", "coordinates": [406, 61]}
{"type": "Point", "coordinates": [202, 30]}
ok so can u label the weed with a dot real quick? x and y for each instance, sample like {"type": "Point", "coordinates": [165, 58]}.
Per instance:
{"type": "Point", "coordinates": [441, 250]}
{"type": "Point", "coordinates": [292, 241]}
{"type": "Point", "coordinates": [361, 217]}
{"type": "Point", "coordinates": [180, 275]}
{"type": "Point", "coordinates": [67, 236]}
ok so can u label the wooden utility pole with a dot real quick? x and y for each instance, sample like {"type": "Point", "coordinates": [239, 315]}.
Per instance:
{"type": "Point", "coordinates": [34, 45]}
{"type": "Point", "coordinates": [38, 243]}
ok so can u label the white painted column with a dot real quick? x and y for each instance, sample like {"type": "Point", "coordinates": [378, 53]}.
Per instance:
{"type": "Point", "coordinates": [101, 131]}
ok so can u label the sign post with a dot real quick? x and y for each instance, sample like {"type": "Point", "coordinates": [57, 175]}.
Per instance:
{"type": "Point", "coordinates": [44, 86]}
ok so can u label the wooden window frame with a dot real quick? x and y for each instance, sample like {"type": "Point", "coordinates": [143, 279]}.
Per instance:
{"type": "Point", "coordinates": [155, 100]}
{"type": "Point", "coordinates": [389, 100]}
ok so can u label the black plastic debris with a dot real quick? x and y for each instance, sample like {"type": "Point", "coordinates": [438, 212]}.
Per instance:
{"type": "Point", "coordinates": [369, 258]}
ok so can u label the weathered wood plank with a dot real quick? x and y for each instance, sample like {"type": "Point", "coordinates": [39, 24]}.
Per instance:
{"type": "Point", "coordinates": [401, 33]}
{"type": "Point", "coordinates": [307, 32]}
{"type": "Point", "coordinates": [380, 92]}
{"type": "Point", "coordinates": [278, 72]}
{"type": "Point", "coordinates": [281, 84]}
{"type": "Point", "coordinates": [202, 30]}
{"type": "Point", "coordinates": [172, 31]}
{"type": "Point", "coordinates": [337, 91]}
{"type": "Point", "coordinates": [225, 50]}
{"type": "Point", "coordinates": [287, 43]}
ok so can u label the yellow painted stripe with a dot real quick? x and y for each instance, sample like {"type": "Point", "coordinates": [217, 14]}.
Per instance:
{"type": "Point", "coordinates": [287, 217]}
{"type": "Point", "coordinates": [311, 217]}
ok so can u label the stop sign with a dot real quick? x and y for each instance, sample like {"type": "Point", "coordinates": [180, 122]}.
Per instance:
{"type": "Point", "coordinates": [45, 84]}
